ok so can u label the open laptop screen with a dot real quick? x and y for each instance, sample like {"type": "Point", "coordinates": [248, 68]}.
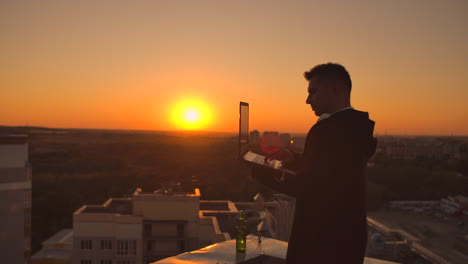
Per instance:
{"type": "Point", "coordinates": [244, 151]}
{"type": "Point", "coordinates": [243, 127]}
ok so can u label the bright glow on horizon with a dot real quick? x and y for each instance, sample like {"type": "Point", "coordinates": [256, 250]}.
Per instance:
{"type": "Point", "coordinates": [88, 64]}
{"type": "Point", "coordinates": [191, 114]}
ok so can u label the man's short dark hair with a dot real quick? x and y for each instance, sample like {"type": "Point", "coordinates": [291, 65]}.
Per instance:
{"type": "Point", "coordinates": [331, 71]}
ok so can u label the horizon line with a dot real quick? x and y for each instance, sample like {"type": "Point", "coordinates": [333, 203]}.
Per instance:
{"type": "Point", "coordinates": [210, 131]}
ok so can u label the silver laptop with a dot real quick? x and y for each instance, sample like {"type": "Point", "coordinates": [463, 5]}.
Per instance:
{"type": "Point", "coordinates": [244, 150]}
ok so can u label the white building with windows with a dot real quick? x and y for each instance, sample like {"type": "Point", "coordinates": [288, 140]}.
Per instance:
{"type": "Point", "coordinates": [15, 197]}
{"type": "Point", "coordinates": [153, 225]}
{"type": "Point", "coordinates": [142, 229]}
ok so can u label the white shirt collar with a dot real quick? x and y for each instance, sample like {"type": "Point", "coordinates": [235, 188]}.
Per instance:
{"type": "Point", "coordinates": [326, 115]}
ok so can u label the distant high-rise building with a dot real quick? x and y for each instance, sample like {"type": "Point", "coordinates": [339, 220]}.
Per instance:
{"type": "Point", "coordinates": [286, 140]}
{"type": "Point", "coordinates": [15, 200]}
{"type": "Point", "coordinates": [297, 144]}
{"type": "Point", "coordinates": [255, 137]}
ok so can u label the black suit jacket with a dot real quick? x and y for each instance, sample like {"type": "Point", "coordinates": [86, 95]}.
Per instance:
{"type": "Point", "coordinates": [330, 190]}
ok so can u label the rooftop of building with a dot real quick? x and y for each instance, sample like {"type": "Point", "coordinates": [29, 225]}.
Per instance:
{"type": "Point", "coordinates": [167, 189]}
{"type": "Point", "coordinates": [436, 240]}
{"type": "Point", "coordinates": [58, 247]}
{"type": "Point", "coordinates": [274, 251]}
{"type": "Point", "coordinates": [123, 206]}
{"type": "Point", "coordinates": [60, 255]}
{"type": "Point", "coordinates": [64, 237]}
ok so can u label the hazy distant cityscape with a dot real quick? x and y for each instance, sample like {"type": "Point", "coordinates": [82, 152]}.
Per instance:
{"type": "Point", "coordinates": [417, 193]}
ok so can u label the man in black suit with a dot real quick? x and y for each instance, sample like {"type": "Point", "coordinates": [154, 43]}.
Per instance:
{"type": "Point", "coordinates": [330, 185]}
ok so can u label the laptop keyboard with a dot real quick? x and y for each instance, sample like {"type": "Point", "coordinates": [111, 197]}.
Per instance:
{"type": "Point", "coordinates": [260, 159]}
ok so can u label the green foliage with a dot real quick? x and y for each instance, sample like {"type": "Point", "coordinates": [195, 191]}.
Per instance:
{"type": "Point", "coordinates": [419, 179]}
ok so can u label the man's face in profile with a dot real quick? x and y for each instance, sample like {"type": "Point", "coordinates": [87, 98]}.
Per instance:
{"type": "Point", "coordinates": [320, 95]}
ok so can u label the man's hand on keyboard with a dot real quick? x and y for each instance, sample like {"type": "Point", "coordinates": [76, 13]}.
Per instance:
{"type": "Point", "coordinates": [284, 155]}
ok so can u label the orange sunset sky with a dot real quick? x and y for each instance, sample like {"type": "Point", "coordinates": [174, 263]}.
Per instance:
{"type": "Point", "coordinates": [129, 64]}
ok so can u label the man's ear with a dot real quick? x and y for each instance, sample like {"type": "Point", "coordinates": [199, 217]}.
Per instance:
{"type": "Point", "coordinates": [336, 87]}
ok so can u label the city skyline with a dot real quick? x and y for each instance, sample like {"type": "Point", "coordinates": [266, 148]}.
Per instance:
{"type": "Point", "coordinates": [126, 65]}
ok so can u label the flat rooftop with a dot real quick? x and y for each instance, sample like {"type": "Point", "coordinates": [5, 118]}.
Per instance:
{"type": "Point", "coordinates": [64, 237]}
{"type": "Point", "coordinates": [123, 206]}
{"type": "Point", "coordinates": [165, 192]}
{"type": "Point", "coordinates": [439, 235]}
{"type": "Point", "coordinates": [274, 251]}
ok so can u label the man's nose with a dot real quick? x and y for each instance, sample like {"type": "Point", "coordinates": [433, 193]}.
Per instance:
{"type": "Point", "coordinates": [309, 99]}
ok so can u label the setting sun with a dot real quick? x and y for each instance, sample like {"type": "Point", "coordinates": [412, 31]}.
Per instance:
{"type": "Point", "coordinates": [191, 114]}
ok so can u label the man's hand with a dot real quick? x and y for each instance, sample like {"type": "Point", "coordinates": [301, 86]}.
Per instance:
{"type": "Point", "coordinates": [284, 155]}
